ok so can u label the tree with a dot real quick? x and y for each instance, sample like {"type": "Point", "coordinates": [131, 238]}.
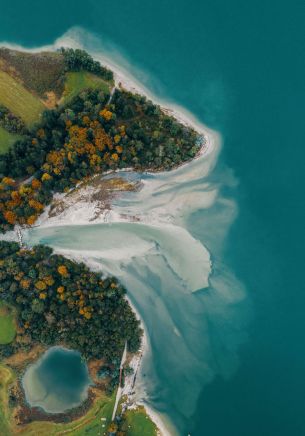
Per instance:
{"type": "Point", "coordinates": [62, 269]}
{"type": "Point", "coordinates": [37, 306]}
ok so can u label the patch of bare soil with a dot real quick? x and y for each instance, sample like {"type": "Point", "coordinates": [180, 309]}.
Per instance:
{"type": "Point", "coordinates": [50, 100]}
{"type": "Point", "coordinates": [22, 358]}
{"type": "Point", "coordinates": [98, 190]}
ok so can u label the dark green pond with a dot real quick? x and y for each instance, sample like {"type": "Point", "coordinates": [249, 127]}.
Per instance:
{"type": "Point", "coordinates": [58, 381]}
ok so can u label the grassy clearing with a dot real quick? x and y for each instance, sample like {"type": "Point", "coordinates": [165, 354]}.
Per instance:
{"type": "Point", "coordinates": [138, 423]}
{"type": "Point", "coordinates": [38, 72]}
{"type": "Point", "coordinates": [7, 324]}
{"type": "Point", "coordinates": [77, 81]}
{"type": "Point", "coordinates": [6, 377]}
{"type": "Point", "coordinates": [89, 425]}
{"type": "Point", "coordinates": [94, 422]}
{"type": "Point", "coordinates": [6, 140]}
{"type": "Point", "coordinates": [18, 100]}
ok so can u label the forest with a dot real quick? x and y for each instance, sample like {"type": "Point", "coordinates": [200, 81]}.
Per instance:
{"type": "Point", "coordinates": [55, 300]}
{"type": "Point", "coordinates": [78, 60]}
{"type": "Point", "coordinates": [89, 135]}
{"type": "Point", "coordinates": [59, 301]}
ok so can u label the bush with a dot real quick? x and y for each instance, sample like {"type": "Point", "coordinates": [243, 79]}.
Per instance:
{"type": "Point", "coordinates": [11, 122]}
{"type": "Point", "coordinates": [77, 60]}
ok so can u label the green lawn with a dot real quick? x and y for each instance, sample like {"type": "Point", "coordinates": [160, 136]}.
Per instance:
{"type": "Point", "coordinates": [7, 324]}
{"type": "Point", "coordinates": [139, 423]}
{"type": "Point", "coordinates": [6, 377]}
{"type": "Point", "coordinates": [6, 140]}
{"type": "Point", "coordinates": [91, 424]}
{"type": "Point", "coordinates": [94, 422]}
{"type": "Point", "coordinates": [77, 81]}
{"type": "Point", "coordinates": [19, 100]}
{"type": "Point", "coordinates": [28, 107]}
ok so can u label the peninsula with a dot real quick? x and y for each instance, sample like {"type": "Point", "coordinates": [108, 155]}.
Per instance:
{"type": "Point", "coordinates": [63, 121]}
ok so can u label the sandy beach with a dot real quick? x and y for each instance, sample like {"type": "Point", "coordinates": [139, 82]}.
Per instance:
{"type": "Point", "coordinates": [79, 214]}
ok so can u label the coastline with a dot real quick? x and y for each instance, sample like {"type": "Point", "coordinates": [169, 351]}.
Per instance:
{"type": "Point", "coordinates": [123, 78]}
{"type": "Point", "coordinates": [127, 390]}
{"type": "Point", "coordinates": [212, 142]}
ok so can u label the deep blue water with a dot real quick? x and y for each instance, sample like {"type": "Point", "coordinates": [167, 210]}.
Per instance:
{"type": "Point", "coordinates": [240, 67]}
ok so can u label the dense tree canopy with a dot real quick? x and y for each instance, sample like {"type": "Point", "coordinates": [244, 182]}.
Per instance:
{"type": "Point", "coordinates": [88, 136]}
{"type": "Point", "coordinates": [60, 301]}
{"type": "Point", "coordinates": [57, 298]}
{"type": "Point", "coordinates": [77, 60]}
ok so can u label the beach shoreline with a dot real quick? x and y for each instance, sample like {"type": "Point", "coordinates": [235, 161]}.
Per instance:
{"type": "Point", "coordinates": [211, 142]}
{"type": "Point", "coordinates": [153, 414]}
{"type": "Point", "coordinates": [123, 78]}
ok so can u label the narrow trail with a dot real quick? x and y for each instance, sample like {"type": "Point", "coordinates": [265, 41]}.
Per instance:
{"type": "Point", "coordinates": [111, 94]}
{"type": "Point", "coordinates": [119, 391]}
{"type": "Point", "coordinates": [19, 236]}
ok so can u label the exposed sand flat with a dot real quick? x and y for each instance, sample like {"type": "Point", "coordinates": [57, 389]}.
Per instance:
{"type": "Point", "coordinates": [148, 225]}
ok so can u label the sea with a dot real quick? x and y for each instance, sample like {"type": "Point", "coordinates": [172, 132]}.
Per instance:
{"type": "Point", "coordinates": [215, 268]}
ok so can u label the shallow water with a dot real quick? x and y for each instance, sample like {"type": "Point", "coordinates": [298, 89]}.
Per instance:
{"type": "Point", "coordinates": [57, 382]}
{"type": "Point", "coordinates": [238, 66]}
{"type": "Point", "coordinates": [194, 318]}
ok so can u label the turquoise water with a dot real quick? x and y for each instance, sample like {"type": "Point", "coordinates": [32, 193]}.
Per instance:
{"type": "Point", "coordinates": [57, 382]}
{"type": "Point", "coordinates": [239, 66]}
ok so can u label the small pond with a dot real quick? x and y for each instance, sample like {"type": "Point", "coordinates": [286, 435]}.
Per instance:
{"type": "Point", "coordinates": [58, 381]}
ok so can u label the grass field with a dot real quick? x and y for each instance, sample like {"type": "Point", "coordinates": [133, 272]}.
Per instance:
{"type": "Point", "coordinates": [7, 324]}
{"type": "Point", "coordinates": [76, 82]}
{"type": "Point", "coordinates": [92, 424]}
{"type": "Point", "coordinates": [18, 100]}
{"type": "Point", "coordinates": [139, 423]}
{"type": "Point", "coordinates": [38, 72]}
{"type": "Point", "coordinates": [6, 377]}
{"type": "Point", "coordinates": [6, 140]}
